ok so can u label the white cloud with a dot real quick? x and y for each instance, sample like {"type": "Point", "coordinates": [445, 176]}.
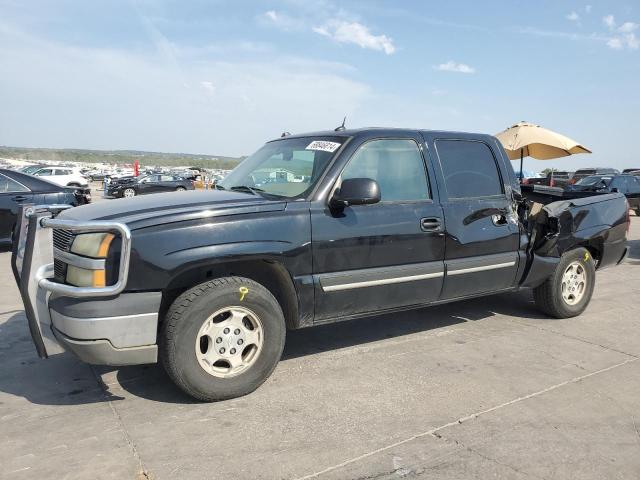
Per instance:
{"type": "Point", "coordinates": [281, 20]}
{"type": "Point", "coordinates": [356, 33]}
{"type": "Point", "coordinates": [615, 43]}
{"type": "Point", "coordinates": [573, 16]}
{"type": "Point", "coordinates": [452, 66]}
{"type": "Point", "coordinates": [609, 21]}
{"type": "Point", "coordinates": [623, 36]}
{"type": "Point", "coordinates": [587, 8]}
{"type": "Point", "coordinates": [208, 86]}
{"type": "Point", "coordinates": [628, 27]}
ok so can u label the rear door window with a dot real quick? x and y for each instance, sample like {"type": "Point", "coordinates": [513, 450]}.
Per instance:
{"type": "Point", "coordinates": [8, 185]}
{"type": "Point", "coordinates": [634, 185]}
{"type": "Point", "coordinates": [469, 168]}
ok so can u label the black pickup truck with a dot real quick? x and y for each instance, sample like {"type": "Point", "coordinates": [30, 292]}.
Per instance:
{"type": "Point", "coordinates": [309, 230]}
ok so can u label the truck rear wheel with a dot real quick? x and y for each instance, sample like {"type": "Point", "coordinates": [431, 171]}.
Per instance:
{"type": "Point", "coordinates": [568, 291]}
{"type": "Point", "coordinates": [222, 339]}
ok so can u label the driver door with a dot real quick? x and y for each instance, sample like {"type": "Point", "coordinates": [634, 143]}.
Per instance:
{"type": "Point", "coordinates": [369, 258]}
{"type": "Point", "coordinates": [147, 185]}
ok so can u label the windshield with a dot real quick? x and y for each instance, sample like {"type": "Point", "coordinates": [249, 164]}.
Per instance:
{"type": "Point", "coordinates": [594, 180]}
{"type": "Point", "coordinates": [287, 168]}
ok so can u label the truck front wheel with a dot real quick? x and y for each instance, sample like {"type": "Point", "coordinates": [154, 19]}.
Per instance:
{"type": "Point", "coordinates": [222, 339]}
{"type": "Point", "coordinates": [567, 292]}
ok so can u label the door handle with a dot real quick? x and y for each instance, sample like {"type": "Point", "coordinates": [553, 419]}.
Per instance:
{"type": "Point", "coordinates": [499, 219]}
{"type": "Point", "coordinates": [430, 224]}
{"type": "Point", "coordinates": [19, 198]}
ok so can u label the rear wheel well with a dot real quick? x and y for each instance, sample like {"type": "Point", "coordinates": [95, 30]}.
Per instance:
{"type": "Point", "coordinates": [272, 275]}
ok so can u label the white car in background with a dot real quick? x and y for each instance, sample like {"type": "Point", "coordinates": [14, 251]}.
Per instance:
{"type": "Point", "coordinates": [63, 176]}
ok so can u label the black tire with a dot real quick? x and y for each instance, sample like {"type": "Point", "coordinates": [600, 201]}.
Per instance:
{"type": "Point", "coordinates": [548, 296]}
{"type": "Point", "coordinates": [133, 190]}
{"type": "Point", "coordinates": [188, 313]}
{"type": "Point", "coordinates": [180, 189]}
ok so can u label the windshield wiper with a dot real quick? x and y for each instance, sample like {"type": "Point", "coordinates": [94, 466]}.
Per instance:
{"type": "Point", "coordinates": [246, 188]}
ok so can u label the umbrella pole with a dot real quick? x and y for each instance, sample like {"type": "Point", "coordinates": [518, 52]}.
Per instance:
{"type": "Point", "coordinates": [521, 162]}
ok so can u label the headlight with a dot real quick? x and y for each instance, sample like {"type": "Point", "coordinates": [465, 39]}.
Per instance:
{"type": "Point", "coordinates": [82, 277]}
{"type": "Point", "coordinates": [95, 245]}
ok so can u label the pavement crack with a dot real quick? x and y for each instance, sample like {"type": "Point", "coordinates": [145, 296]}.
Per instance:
{"type": "Point", "coordinates": [143, 474]}
{"type": "Point", "coordinates": [572, 337]}
{"type": "Point", "coordinates": [502, 464]}
{"type": "Point", "coordinates": [472, 416]}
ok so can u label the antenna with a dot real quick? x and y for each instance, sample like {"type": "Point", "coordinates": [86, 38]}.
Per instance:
{"type": "Point", "coordinates": [341, 127]}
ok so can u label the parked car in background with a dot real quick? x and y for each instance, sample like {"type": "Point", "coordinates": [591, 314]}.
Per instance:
{"type": "Point", "coordinates": [31, 168]}
{"type": "Point", "coordinates": [552, 179]}
{"type": "Point", "coordinates": [631, 170]}
{"type": "Point", "coordinates": [585, 172]}
{"type": "Point", "coordinates": [17, 188]}
{"type": "Point", "coordinates": [629, 185]}
{"type": "Point", "coordinates": [132, 186]}
{"type": "Point", "coordinates": [96, 175]}
{"type": "Point", "coordinates": [63, 176]}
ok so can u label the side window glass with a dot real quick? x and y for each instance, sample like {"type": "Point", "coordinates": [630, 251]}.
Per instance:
{"type": "Point", "coordinates": [8, 185]}
{"type": "Point", "coordinates": [469, 169]}
{"type": "Point", "coordinates": [396, 165]}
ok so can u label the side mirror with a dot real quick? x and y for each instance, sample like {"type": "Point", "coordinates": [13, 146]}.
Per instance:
{"type": "Point", "coordinates": [355, 191]}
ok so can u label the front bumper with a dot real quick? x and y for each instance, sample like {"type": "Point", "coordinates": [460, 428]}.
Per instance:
{"type": "Point", "coordinates": [100, 325]}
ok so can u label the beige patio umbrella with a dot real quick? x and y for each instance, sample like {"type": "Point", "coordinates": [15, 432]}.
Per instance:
{"type": "Point", "coordinates": [528, 140]}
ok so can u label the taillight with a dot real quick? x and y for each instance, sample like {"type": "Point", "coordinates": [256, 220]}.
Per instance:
{"type": "Point", "coordinates": [525, 181]}
{"type": "Point", "coordinates": [552, 183]}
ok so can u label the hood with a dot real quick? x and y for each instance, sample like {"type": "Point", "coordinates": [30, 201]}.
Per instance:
{"type": "Point", "coordinates": [159, 208]}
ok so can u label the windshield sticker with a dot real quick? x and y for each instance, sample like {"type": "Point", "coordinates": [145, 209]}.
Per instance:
{"type": "Point", "coordinates": [323, 145]}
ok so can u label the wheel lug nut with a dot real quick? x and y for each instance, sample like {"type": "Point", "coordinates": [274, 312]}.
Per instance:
{"type": "Point", "coordinates": [222, 350]}
{"type": "Point", "coordinates": [232, 351]}
{"type": "Point", "coordinates": [226, 330]}
{"type": "Point", "coordinates": [240, 342]}
{"type": "Point", "coordinates": [237, 331]}
{"type": "Point", "coordinates": [218, 340]}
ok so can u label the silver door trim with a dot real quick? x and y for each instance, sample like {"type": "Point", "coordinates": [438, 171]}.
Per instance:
{"type": "Point", "coordinates": [386, 281]}
{"type": "Point", "coordinates": [481, 269]}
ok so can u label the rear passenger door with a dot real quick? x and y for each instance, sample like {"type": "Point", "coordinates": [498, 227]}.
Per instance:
{"type": "Point", "coordinates": [481, 228]}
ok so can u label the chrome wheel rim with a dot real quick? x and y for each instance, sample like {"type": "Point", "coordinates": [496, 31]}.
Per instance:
{"type": "Point", "coordinates": [574, 283]}
{"type": "Point", "coordinates": [129, 192]}
{"type": "Point", "coordinates": [229, 342]}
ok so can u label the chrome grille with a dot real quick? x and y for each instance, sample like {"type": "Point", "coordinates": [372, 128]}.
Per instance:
{"type": "Point", "coordinates": [59, 270]}
{"type": "Point", "coordinates": [62, 239]}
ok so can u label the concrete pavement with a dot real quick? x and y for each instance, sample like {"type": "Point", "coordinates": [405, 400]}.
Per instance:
{"type": "Point", "coordinates": [483, 388]}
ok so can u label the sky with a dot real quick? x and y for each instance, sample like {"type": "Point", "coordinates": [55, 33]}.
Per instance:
{"type": "Point", "coordinates": [222, 77]}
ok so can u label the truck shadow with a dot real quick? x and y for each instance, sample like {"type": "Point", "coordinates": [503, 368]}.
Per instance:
{"type": "Point", "coordinates": [64, 380]}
